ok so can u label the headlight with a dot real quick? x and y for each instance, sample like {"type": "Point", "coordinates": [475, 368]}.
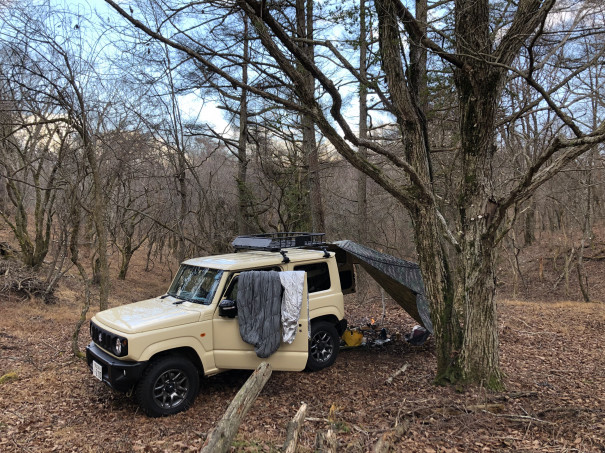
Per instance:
{"type": "Point", "coordinates": [119, 346]}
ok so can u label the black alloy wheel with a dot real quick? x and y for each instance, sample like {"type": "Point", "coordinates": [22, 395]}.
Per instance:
{"type": "Point", "coordinates": [169, 385]}
{"type": "Point", "coordinates": [323, 346]}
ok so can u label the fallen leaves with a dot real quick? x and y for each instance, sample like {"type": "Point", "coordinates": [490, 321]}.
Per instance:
{"type": "Point", "coordinates": [555, 403]}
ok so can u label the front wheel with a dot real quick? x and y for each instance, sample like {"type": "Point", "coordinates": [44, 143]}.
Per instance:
{"type": "Point", "coordinates": [323, 346]}
{"type": "Point", "coordinates": [169, 385]}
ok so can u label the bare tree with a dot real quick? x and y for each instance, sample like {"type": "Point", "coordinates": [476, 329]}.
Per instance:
{"type": "Point", "coordinates": [486, 46]}
{"type": "Point", "coordinates": [61, 70]}
{"type": "Point", "coordinates": [32, 149]}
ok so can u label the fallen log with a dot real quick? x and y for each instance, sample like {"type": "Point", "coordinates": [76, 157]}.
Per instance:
{"type": "Point", "coordinates": [221, 437]}
{"type": "Point", "coordinates": [397, 373]}
{"type": "Point", "coordinates": [293, 430]}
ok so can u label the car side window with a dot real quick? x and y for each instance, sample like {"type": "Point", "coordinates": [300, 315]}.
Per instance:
{"type": "Point", "coordinates": [318, 276]}
{"type": "Point", "coordinates": [231, 292]}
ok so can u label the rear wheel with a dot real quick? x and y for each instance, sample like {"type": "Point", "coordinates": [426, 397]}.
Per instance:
{"type": "Point", "coordinates": [169, 385]}
{"type": "Point", "coordinates": [323, 346]}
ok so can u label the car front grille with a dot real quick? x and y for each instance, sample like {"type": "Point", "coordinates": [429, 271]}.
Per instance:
{"type": "Point", "coordinates": [101, 337]}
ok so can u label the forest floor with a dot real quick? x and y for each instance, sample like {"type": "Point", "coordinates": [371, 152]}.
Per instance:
{"type": "Point", "coordinates": [552, 354]}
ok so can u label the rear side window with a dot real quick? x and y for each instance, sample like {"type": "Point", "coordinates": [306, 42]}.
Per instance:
{"type": "Point", "coordinates": [318, 276]}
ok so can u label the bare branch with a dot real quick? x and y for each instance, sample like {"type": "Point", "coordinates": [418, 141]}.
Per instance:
{"type": "Point", "coordinates": [197, 56]}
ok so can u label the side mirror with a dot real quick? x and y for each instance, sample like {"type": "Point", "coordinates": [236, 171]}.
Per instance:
{"type": "Point", "coordinates": [227, 308]}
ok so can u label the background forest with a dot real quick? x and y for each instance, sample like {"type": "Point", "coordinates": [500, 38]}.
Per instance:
{"type": "Point", "coordinates": [114, 140]}
{"type": "Point", "coordinates": [164, 136]}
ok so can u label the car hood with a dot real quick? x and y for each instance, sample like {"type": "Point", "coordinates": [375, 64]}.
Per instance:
{"type": "Point", "coordinates": [151, 314]}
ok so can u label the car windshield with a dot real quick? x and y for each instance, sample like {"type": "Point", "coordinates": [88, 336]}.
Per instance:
{"type": "Point", "coordinates": [195, 284]}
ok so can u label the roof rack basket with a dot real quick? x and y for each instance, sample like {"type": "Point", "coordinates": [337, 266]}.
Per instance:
{"type": "Point", "coordinates": [274, 242]}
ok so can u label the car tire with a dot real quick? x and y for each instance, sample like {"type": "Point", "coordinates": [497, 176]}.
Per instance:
{"type": "Point", "coordinates": [169, 385]}
{"type": "Point", "coordinates": [323, 345]}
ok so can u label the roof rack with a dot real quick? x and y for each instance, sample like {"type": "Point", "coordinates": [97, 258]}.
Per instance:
{"type": "Point", "coordinates": [274, 242]}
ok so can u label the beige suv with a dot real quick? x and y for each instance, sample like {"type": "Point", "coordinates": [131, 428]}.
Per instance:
{"type": "Point", "coordinates": [160, 347]}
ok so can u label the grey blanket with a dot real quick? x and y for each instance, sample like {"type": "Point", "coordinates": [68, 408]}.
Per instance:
{"type": "Point", "coordinates": [259, 310]}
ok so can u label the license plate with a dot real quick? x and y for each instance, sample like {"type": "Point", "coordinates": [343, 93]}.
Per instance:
{"type": "Point", "coordinates": [97, 370]}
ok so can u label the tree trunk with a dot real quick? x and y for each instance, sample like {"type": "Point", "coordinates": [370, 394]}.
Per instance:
{"type": "Point", "coordinates": [480, 357]}
{"type": "Point", "coordinates": [182, 185]}
{"type": "Point", "coordinates": [98, 214]}
{"type": "Point", "coordinates": [586, 229]}
{"type": "Point", "coordinates": [125, 262]}
{"type": "Point", "coordinates": [178, 141]}
{"type": "Point", "coordinates": [478, 93]}
{"type": "Point", "coordinates": [440, 292]}
{"type": "Point", "coordinates": [150, 244]}
{"type": "Point", "coordinates": [362, 230]}
{"type": "Point", "coordinates": [432, 258]}
{"type": "Point", "coordinates": [529, 234]}
{"type": "Point", "coordinates": [243, 221]}
{"type": "Point", "coordinates": [362, 208]}
{"type": "Point", "coordinates": [315, 199]}
{"type": "Point", "coordinates": [304, 22]}
{"type": "Point", "coordinates": [74, 256]}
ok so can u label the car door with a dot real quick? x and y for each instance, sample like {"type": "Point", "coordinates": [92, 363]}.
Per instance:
{"type": "Point", "coordinates": [231, 352]}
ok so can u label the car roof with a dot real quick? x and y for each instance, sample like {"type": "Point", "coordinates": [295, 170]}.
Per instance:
{"type": "Point", "coordinates": [254, 258]}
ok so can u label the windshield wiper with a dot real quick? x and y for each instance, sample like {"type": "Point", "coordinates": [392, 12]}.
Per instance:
{"type": "Point", "coordinates": [178, 301]}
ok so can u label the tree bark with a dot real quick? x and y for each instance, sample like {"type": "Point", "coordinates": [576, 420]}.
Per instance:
{"type": "Point", "coordinates": [243, 194]}
{"type": "Point", "coordinates": [293, 430]}
{"type": "Point", "coordinates": [183, 202]}
{"type": "Point", "coordinates": [362, 205]}
{"type": "Point", "coordinates": [478, 91]}
{"type": "Point", "coordinates": [529, 234]}
{"type": "Point", "coordinates": [98, 214]}
{"type": "Point", "coordinates": [423, 211]}
{"type": "Point", "coordinates": [441, 293]}
{"type": "Point", "coordinates": [480, 355]}
{"type": "Point", "coordinates": [304, 24]}
{"type": "Point", "coordinates": [74, 257]}
{"type": "Point", "coordinates": [127, 254]}
{"type": "Point", "coordinates": [586, 229]}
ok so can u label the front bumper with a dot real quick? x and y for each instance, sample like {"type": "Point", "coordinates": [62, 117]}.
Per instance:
{"type": "Point", "coordinates": [119, 375]}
